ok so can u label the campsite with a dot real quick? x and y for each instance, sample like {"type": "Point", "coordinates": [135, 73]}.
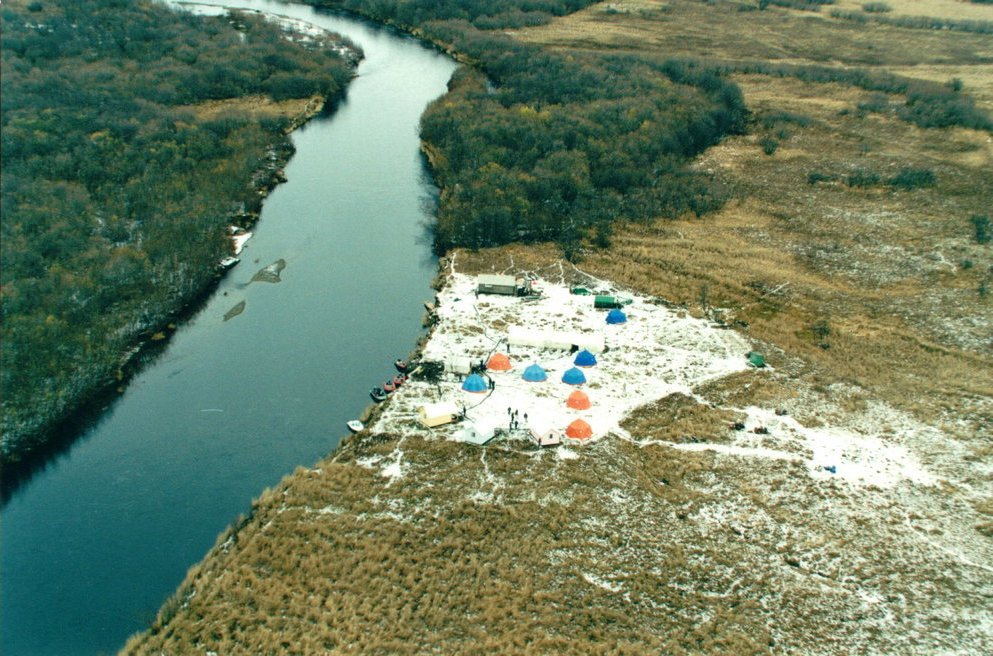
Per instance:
{"type": "Point", "coordinates": [553, 368]}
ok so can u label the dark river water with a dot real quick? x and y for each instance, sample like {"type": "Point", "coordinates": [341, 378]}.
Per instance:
{"type": "Point", "coordinates": [92, 545]}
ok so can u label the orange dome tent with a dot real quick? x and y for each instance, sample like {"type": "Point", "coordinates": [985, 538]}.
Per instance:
{"type": "Point", "coordinates": [578, 400]}
{"type": "Point", "coordinates": [498, 362]}
{"type": "Point", "coordinates": [579, 430]}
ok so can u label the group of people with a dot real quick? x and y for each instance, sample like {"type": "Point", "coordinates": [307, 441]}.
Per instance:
{"type": "Point", "coordinates": [512, 419]}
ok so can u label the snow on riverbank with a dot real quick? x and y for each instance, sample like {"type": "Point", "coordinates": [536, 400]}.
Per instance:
{"type": "Point", "coordinates": [658, 352]}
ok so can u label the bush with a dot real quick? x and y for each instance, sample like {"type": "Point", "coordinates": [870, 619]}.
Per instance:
{"type": "Point", "coordinates": [911, 178]}
{"type": "Point", "coordinates": [863, 178]}
{"type": "Point", "coordinates": [876, 7]}
{"type": "Point", "coordinates": [769, 145]}
{"type": "Point", "coordinates": [816, 176]}
{"type": "Point", "coordinates": [981, 224]}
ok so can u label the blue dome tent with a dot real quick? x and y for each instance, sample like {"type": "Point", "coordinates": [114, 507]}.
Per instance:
{"type": "Point", "coordinates": [474, 383]}
{"type": "Point", "coordinates": [574, 377]}
{"type": "Point", "coordinates": [616, 316]}
{"type": "Point", "coordinates": [585, 359]}
{"type": "Point", "coordinates": [534, 374]}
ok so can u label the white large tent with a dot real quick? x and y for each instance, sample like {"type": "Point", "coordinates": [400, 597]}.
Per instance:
{"type": "Point", "coordinates": [554, 339]}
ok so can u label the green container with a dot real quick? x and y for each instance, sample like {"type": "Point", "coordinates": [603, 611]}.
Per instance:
{"type": "Point", "coordinates": [606, 302]}
{"type": "Point", "coordinates": [756, 359]}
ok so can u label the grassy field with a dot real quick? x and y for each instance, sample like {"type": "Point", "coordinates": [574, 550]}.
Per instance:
{"type": "Point", "coordinates": [871, 301]}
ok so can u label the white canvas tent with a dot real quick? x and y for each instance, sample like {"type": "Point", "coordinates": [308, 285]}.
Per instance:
{"type": "Point", "coordinates": [474, 434]}
{"type": "Point", "coordinates": [458, 364]}
{"type": "Point", "coordinates": [554, 339]}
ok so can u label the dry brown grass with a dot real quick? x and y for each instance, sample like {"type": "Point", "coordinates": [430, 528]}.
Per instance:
{"type": "Point", "coordinates": [680, 418]}
{"type": "Point", "coordinates": [626, 550]}
{"type": "Point", "coordinates": [953, 9]}
{"type": "Point", "coordinates": [256, 107]}
{"type": "Point", "coordinates": [719, 31]}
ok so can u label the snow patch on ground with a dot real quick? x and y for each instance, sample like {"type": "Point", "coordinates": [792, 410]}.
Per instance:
{"type": "Point", "coordinates": [658, 352]}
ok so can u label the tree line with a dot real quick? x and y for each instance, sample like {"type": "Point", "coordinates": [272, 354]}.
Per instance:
{"type": "Point", "coordinates": [532, 144]}
{"type": "Point", "coordinates": [115, 192]}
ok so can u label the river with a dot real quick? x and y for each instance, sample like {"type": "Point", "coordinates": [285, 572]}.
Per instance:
{"type": "Point", "coordinates": [93, 545]}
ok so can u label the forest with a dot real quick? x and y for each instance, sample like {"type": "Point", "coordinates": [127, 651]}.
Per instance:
{"type": "Point", "coordinates": [116, 193]}
{"type": "Point", "coordinates": [539, 145]}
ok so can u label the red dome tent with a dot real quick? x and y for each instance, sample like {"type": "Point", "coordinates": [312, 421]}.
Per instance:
{"type": "Point", "coordinates": [578, 400]}
{"type": "Point", "coordinates": [579, 430]}
{"type": "Point", "coordinates": [498, 362]}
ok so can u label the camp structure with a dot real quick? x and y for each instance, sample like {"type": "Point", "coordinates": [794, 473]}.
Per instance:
{"type": "Point", "coordinates": [574, 376]}
{"type": "Point", "coordinates": [473, 434]}
{"type": "Point", "coordinates": [585, 359]}
{"type": "Point", "coordinates": [498, 362]}
{"type": "Point", "coordinates": [438, 414]}
{"type": "Point", "coordinates": [755, 359]}
{"type": "Point", "coordinates": [475, 384]}
{"type": "Point", "coordinates": [579, 430]}
{"type": "Point", "coordinates": [505, 285]}
{"type": "Point", "coordinates": [615, 317]}
{"type": "Point", "coordinates": [543, 433]}
{"type": "Point", "coordinates": [458, 365]}
{"type": "Point", "coordinates": [604, 302]}
{"type": "Point", "coordinates": [534, 374]}
{"type": "Point", "coordinates": [556, 340]}
{"type": "Point", "coordinates": [578, 400]}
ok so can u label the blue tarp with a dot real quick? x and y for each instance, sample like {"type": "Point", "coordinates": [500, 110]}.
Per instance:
{"type": "Point", "coordinates": [616, 316]}
{"type": "Point", "coordinates": [585, 359]}
{"type": "Point", "coordinates": [534, 374]}
{"type": "Point", "coordinates": [574, 377]}
{"type": "Point", "coordinates": [475, 383]}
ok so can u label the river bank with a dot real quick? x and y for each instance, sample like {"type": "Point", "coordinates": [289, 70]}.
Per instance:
{"type": "Point", "coordinates": [28, 445]}
{"type": "Point", "coordinates": [106, 533]}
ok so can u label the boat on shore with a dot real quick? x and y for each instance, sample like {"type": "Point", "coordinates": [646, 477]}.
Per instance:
{"type": "Point", "coordinates": [354, 425]}
{"type": "Point", "coordinates": [378, 394]}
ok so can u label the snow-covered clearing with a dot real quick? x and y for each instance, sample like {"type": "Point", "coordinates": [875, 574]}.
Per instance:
{"type": "Point", "coordinates": [659, 351]}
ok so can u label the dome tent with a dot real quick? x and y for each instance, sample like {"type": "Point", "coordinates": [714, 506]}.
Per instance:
{"type": "Point", "coordinates": [534, 374]}
{"type": "Point", "coordinates": [578, 400]}
{"type": "Point", "coordinates": [498, 362]}
{"type": "Point", "coordinates": [574, 376]}
{"type": "Point", "coordinates": [476, 384]}
{"type": "Point", "coordinates": [615, 316]}
{"type": "Point", "coordinates": [585, 359]}
{"type": "Point", "coordinates": [579, 430]}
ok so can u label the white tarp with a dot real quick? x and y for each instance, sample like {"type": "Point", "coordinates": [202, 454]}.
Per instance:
{"type": "Point", "coordinates": [554, 339]}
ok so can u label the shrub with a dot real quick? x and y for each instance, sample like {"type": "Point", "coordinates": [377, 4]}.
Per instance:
{"type": "Point", "coordinates": [816, 176]}
{"type": "Point", "coordinates": [911, 178]}
{"type": "Point", "coordinates": [863, 178]}
{"type": "Point", "coordinates": [982, 226]}
{"type": "Point", "coordinates": [769, 145]}
{"type": "Point", "coordinates": [876, 7]}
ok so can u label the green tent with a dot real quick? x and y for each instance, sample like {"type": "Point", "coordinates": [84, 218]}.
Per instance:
{"type": "Point", "coordinates": [755, 359]}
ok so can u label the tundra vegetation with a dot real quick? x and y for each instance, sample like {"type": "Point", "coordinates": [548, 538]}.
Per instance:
{"type": "Point", "coordinates": [133, 135]}
{"type": "Point", "coordinates": [855, 255]}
